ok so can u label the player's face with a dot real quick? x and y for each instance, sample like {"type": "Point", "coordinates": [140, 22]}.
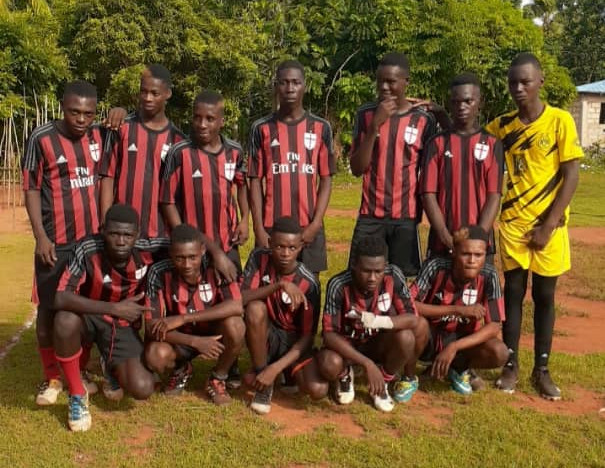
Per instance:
{"type": "Point", "coordinates": [524, 83]}
{"type": "Point", "coordinates": [119, 241]}
{"type": "Point", "coordinates": [207, 122]}
{"type": "Point", "coordinates": [78, 114]}
{"type": "Point", "coordinates": [391, 82]}
{"type": "Point", "coordinates": [469, 258]}
{"type": "Point", "coordinates": [285, 248]}
{"type": "Point", "coordinates": [465, 101]}
{"type": "Point", "coordinates": [153, 95]}
{"type": "Point", "coordinates": [187, 259]}
{"type": "Point", "coordinates": [290, 84]}
{"type": "Point", "coordinates": [368, 273]}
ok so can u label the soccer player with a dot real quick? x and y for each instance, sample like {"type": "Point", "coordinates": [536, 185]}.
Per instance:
{"type": "Point", "coordinates": [290, 167]}
{"type": "Point", "coordinates": [542, 154]}
{"type": "Point", "coordinates": [282, 300]}
{"type": "Point", "coordinates": [388, 139]}
{"type": "Point", "coordinates": [99, 297]}
{"type": "Point", "coordinates": [460, 296]}
{"type": "Point", "coordinates": [369, 320]}
{"type": "Point", "coordinates": [461, 181]}
{"type": "Point", "coordinates": [192, 316]}
{"type": "Point", "coordinates": [60, 179]}
{"type": "Point", "coordinates": [200, 177]}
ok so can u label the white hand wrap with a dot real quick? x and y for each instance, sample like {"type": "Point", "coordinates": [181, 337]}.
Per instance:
{"type": "Point", "coordinates": [370, 320]}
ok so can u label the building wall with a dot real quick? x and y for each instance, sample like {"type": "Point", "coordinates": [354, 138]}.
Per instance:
{"type": "Point", "coordinates": [586, 111]}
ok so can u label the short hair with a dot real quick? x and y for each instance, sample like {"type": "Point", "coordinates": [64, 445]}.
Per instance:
{"type": "Point", "coordinates": [395, 59]}
{"type": "Point", "coordinates": [208, 97]}
{"type": "Point", "coordinates": [465, 78]}
{"type": "Point", "coordinates": [525, 58]}
{"type": "Point", "coordinates": [370, 246]}
{"type": "Point", "coordinates": [160, 72]}
{"type": "Point", "coordinates": [185, 233]}
{"type": "Point", "coordinates": [287, 225]}
{"type": "Point", "coordinates": [80, 88]}
{"type": "Point", "coordinates": [473, 232]}
{"type": "Point", "coordinates": [290, 64]}
{"type": "Point", "coordinates": [121, 213]}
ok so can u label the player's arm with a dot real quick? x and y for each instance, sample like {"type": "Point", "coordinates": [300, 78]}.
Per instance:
{"type": "Point", "coordinates": [493, 183]}
{"type": "Point", "coordinates": [127, 309]}
{"type": "Point", "coordinates": [171, 214]}
{"type": "Point", "coordinates": [323, 198]}
{"type": "Point", "coordinates": [489, 211]}
{"type": "Point", "coordinates": [433, 311]}
{"type": "Point", "coordinates": [106, 195]}
{"type": "Point", "coordinates": [45, 248]}
{"type": "Point", "coordinates": [220, 261]}
{"type": "Point", "coordinates": [241, 232]}
{"type": "Point", "coordinates": [256, 208]}
{"type": "Point", "coordinates": [436, 219]}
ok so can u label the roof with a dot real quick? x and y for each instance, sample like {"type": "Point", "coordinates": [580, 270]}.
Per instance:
{"type": "Point", "coordinates": [598, 87]}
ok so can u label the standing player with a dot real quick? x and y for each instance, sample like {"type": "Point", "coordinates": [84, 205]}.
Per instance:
{"type": "Point", "coordinates": [289, 150]}
{"type": "Point", "coordinates": [461, 298]}
{"type": "Point", "coordinates": [98, 297]}
{"type": "Point", "coordinates": [282, 300]}
{"type": "Point", "coordinates": [542, 155]}
{"type": "Point", "coordinates": [192, 316]}
{"type": "Point", "coordinates": [461, 182]}
{"type": "Point", "coordinates": [387, 142]}
{"type": "Point", "coordinates": [200, 176]}
{"type": "Point", "coordinates": [60, 180]}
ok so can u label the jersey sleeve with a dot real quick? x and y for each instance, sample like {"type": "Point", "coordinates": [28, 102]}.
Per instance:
{"type": "Point", "coordinates": [430, 128]}
{"type": "Point", "coordinates": [230, 291]}
{"type": "Point", "coordinates": [255, 156]}
{"type": "Point", "coordinates": [495, 172]}
{"type": "Point", "coordinates": [170, 187]}
{"type": "Point", "coordinates": [240, 169]}
{"type": "Point", "coordinates": [567, 139]}
{"type": "Point", "coordinates": [32, 164]}
{"type": "Point", "coordinates": [493, 297]}
{"type": "Point", "coordinates": [74, 275]}
{"type": "Point", "coordinates": [333, 307]}
{"type": "Point", "coordinates": [424, 281]}
{"type": "Point", "coordinates": [429, 176]}
{"type": "Point", "coordinates": [326, 158]}
{"type": "Point", "coordinates": [154, 295]}
{"type": "Point", "coordinates": [402, 299]}
{"type": "Point", "coordinates": [310, 316]}
{"type": "Point", "coordinates": [494, 128]}
{"type": "Point", "coordinates": [109, 161]}
{"type": "Point", "coordinates": [251, 275]}
{"type": "Point", "coordinates": [359, 131]}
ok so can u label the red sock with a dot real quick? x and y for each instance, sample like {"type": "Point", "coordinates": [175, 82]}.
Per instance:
{"type": "Point", "coordinates": [49, 363]}
{"type": "Point", "coordinates": [71, 370]}
{"type": "Point", "coordinates": [385, 375]}
{"type": "Point", "coordinates": [85, 356]}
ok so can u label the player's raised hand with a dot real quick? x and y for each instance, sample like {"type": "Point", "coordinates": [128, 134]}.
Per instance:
{"type": "Point", "coordinates": [115, 118]}
{"type": "Point", "coordinates": [386, 108]}
{"type": "Point", "coordinates": [45, 251]}
{"type": "Point", "coordinates": [129, 309]}
{"type": "Point", "coordinates": [209, 347]}
{"type": "Point", "coordinates": [297, 297]}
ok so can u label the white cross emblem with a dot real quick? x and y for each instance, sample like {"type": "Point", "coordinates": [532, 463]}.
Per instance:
{"type": "Point", "coordinates": [410, 135]}
{"type": "Point", "coordinates": [469, 296]}
{"type": "Point", "coordinates": [205, 291]}
{"type": "Point", "coordinates": [165, 149]}
{"type": "Point", "coordinates": [384, 302]}
{"type": "Point", "coordinates": [140, 273]}
{"type": "Point", "coordinates": [95, 154]}
{"type": "Point", "coordinates": [285, 298]}
{"type": "Point", "coordinates": [310, 140]}
{"type": "Point", "coordinates": [481, 151]}
{"type": "Point", "coordinates": [229, 171]}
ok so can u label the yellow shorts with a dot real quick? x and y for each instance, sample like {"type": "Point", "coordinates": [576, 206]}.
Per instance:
{"type": "Point", "coordinates": [553, 260]}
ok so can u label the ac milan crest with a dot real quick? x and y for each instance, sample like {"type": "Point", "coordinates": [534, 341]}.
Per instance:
{"type": "Point", "coordinates": [165, 148]}
{"type": "Point", "coordinates": [469, 296]}
{"type": "Point", "coordinates": [95, 153]}
{"type": "Point", "coordinates": [205, 291]}
{"type": "Point", "coordinates": [285, 298]}
{"type": "Point", "coordinates": [310, 140]}
{"type": "Point", "coordinates": [481, 151]}
{"type": "Point", "coordinates": [140, 273]}
{"type": "Point", "coordinates": [229, 171]}
{"type": "Point", "coordinates": [410, 135]}
{"type": "Point", "coordinates": [384, 302]}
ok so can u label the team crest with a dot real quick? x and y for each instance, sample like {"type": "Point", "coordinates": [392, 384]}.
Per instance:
{"type": "Point", "coordinates": [481, 151]}
{"type": "Point", "coordinates": [543, 141]}
{"type": "Point", "coordinates": [469, 296]}
{"type": "Point", "coordinates": [165, 149]}
{"type": "Point", "coordinates": [410, 135]}
{"type": "Point", "coordinates": [205, 291]}
{"type": "Point", "coordinates": [285, 298]}
{"type": "Point", "coordinates": [229, 171]}
{"type": "Point", "coordinates": [310, 140]}
{"type": "Point", "coordinates": [95, 153]}
{"type": "Point", "coordinates": [140, 273]}
{"type": "Point", "coordinates": [384, 302]}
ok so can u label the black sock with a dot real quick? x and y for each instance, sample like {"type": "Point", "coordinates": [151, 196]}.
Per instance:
{"type": "Point", "coordinates": [515, 284]}
{"type": "Point", "coordinates": [543, 294]}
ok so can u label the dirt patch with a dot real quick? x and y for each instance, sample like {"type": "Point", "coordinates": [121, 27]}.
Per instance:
{"type": "Point", "coordinates": [425, 407]}
{"type": "Point", "coordinates": [588, 235]}
{"type": "Point", "coordinates": [138, 443]}
{"type": "Point", "coordinates": [580, 402]}
{"type": "Point", "coordinates": [14, 220]}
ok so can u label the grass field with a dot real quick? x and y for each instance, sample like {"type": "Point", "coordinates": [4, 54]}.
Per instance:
{"type": "Point", "coordinates": [438, 428]}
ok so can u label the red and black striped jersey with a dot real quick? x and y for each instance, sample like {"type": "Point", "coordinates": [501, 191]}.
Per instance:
{"type": "Point", "coordinates": [290, 156]}
{"type": "Point", "coordinates": [344, 304]}
{"type": "Point", "coordinates": [389, 189]}
{"type": "Point", "coordinates": [91, 274]}
{"type": "Point", "coordinates": [66, 172]}
{"type": "Point", "coordinates": [436, 285]}
{"type": "Point", "coordinates": [260, 272]}
{"type": "Point", "coordinates": [461, 170]}
{"type": "Point", "coordinates": [202, 186]}
{"type": "Point", "coordinates": [134, 158]}
{"type": "Point", "coordinates": [168, 294]}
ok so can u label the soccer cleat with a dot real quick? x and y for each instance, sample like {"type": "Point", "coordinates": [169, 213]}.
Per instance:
{"type": "Point", "coordinates": [384, 402]}
{"type": "Point", "coordinates": [461, 382]}
{"type": "Point", "coordinates": [404, 390]}
{"type": "Point", "coordinates": [542, 382]}
{"type": "Point", "coordinates": [89, 384]}
{"type": "Point", "coordinates": [261, 402]}
{"type": "Point", "coordinates": [477, 383]}
{"type": "Point", "coordinates": [508, 378]}
{"type": "Point", "coordinates": [48, 392]}
{"type": "Point", "coordinates": [78, 418]}
{"type": "Point", "coordinates": [344, 392]}
{"type": "Point", "coordinates": [288, 384]}
{"type": "Point", "coordinates": [111, 387]}
{"type": "Point", "coordinates": [178, 379]}
{"type": "Point", "coordinates": [234, 378]}
{"type": "Point", "coordinates": [217, 391]}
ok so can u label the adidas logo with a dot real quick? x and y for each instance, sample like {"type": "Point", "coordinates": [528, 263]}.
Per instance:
{"type": "Point", "coordinates": [439, 295]}
{"type": "Point", "coordinates": [106, 279]}
{"type": "Point", "coordinates": [274, 143]}
{"type": "Point", "coordinates": [61, 160]}
{"type": "Point", "coordinates": [266, 279]}
{"type": "Point", "coordinates": [197, 174]}
{"type": "Point", "coordinates": [132, 147]}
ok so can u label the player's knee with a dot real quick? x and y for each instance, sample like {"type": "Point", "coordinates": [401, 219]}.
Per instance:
{"type": "Point", "coordinates": [422, 330]}
{"type": "Point", "coordinates": [234, 330]}
{"type": "Point", "coordinates": [66, 325]}
{"type": "Point", "coordinates": [500, 353]}
{"type": "Point", "coordinates": [316, 390]}
{"type": "Point", "coordinates": [256, 314]}
{"type": "Point", "coordinates": [405, 340]}
{"type": "Point", "coordinates": [141, 386]}
{"type": "Point", "coordinates": [543, 297]}
{"type": "Point", "coordinates": [330, 364]}
{"type": "Point", "coordinates": [159, 356]}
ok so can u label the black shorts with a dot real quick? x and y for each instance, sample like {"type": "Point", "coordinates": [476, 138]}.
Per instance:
{"type": "Point", "coordinates": [401, 237]}
{"type": "Point", "coordinates": [234, 256]}
{"type": "Point", "coordinates": [437, 342]}
{"type": "Point", "coordinates": [116, 344]}
{"type": "Point", "coordinates": [188, 353]}
{"type": "Point", "coordinates": [47, 278]}
{"type": "Point", "coordinates": [279, 342]}
{"type": "Point", "coordinates": [314, 255]}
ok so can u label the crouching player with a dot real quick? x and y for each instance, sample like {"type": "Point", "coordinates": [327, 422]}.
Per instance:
{"type": "Point", "coordinates": [282, 300]}
{"type": "Point", "coordinates": [98, 297]}
{"type": "Point", "coordinates": [369, 320]}
{"type": "Point", "coordinates": [191, 315]}
{"type": "Point", "coordinates": [461, 299]}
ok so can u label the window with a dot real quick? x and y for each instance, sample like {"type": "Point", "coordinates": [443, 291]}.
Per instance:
{"type": "Point", "coordinates": [602, 114]}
